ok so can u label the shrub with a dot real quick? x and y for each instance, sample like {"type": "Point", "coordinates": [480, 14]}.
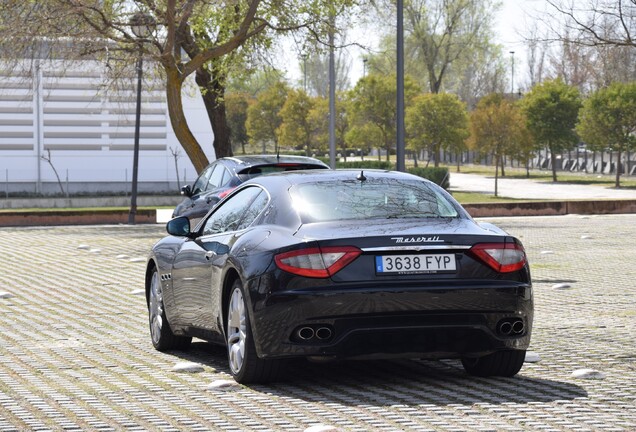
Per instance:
{"type": "Point", "coordinates": [440, 176]}
{"type": "Point", "coordinates": [369, 164]}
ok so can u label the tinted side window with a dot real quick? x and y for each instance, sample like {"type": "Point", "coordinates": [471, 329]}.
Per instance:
{"type": "Point", "coordinates": [226, 178]}
{"type": "Point", "coordinates": [259, 203]}
{"type": "Point", "coordinates": [217, 177]}
{"type": "Point", "coordinates": [202, 181]}
{"type": "Point", "coordinates": [228, 216]}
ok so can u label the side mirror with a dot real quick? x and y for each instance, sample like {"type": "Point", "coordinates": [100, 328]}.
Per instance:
{"type": "Point", "coordinates": [186, 191]}
{"type": "Point", "coordinates": [179, 226]}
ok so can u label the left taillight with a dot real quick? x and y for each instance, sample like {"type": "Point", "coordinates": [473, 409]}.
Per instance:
{"type": "Point", "coordinates": [501, 257]}
{"type": "Point", "coordinates": [317, 262]}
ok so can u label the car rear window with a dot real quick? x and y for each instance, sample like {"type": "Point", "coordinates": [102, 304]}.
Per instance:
{"type": "Point", "coordinates": [374, 198]}
{"type": "Point", "coordinates": [251, 172]}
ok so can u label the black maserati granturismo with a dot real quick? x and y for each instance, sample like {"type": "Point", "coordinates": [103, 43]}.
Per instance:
{"type": "Point", "coordinates": [341, 264]}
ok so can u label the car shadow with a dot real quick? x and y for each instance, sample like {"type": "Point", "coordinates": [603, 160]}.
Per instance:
{"type": "Point", "coordinates": [393, 382]}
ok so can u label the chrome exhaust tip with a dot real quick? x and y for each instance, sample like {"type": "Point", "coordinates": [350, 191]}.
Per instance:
{"type": "Point", "coordinates": [518, 327]}
{"type": "Point", "coordinates": [505, 328]}
{"type": "Point", "coordinates": [305, 333]}
{"type": "Point", "coordinates": [323, 333]}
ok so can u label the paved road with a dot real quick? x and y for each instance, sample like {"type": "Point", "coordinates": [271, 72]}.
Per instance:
{"type": "Point", "coordinates": [75, 351]}
{"type": "Point", "coordinates": [532, 189]}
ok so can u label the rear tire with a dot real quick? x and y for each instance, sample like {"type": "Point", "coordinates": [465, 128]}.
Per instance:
{"type": "Point", "coordinates": [245, 366]}
{"type": "Point", "coordinates": [501, 363]}
{"type": "Point", "coordinates": [160, 332]}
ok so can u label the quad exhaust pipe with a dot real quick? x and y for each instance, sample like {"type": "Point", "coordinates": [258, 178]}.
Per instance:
{"type": "Point", "coordinates": [307, 333]}
{"type": "Point", "coordinates": [511, 327]}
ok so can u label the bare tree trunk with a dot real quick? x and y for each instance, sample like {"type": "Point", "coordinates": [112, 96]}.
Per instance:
{"type": "Point", "coordinates": [48, 159]}
{"type": "Point", "coordinates": [618, 170]}
{"type": "Point", "coordinates": [213, 98]}
{"type": "Point", "coordinates": [179, 123]}
{"type": "Point", "coordinates": [175, 155]}
{"type": "Point", "coordinates": [496, 175]}
{"type": "Point", "coordinates": [553, 161]}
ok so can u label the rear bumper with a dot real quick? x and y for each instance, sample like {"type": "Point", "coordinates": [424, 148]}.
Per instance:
{"type": "Point", "coordinates": [380, 323]}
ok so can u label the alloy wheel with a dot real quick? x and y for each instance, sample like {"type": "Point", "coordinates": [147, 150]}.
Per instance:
{"type": "Point", "coordinates": [156, 308]}
{"type": "Point", "coordinates": [236, 330]}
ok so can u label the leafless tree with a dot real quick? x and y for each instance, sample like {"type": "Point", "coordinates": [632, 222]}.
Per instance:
{"type": "Point", "coordinates": [598, 22]}
{"type": "Point", "coordinates": [176, 154]}
{"type": "Point", "coordinates": [48, 159]}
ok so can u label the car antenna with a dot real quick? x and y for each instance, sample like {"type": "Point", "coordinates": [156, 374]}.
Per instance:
{"type": "Point", "coordinates": [361, 177]}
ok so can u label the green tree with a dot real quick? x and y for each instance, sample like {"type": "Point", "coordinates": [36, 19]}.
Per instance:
{"type": "Point", "coordinates": [436, 122]}
{"type": "Point", "coordinates": [216, 37]}
{"type": "Point", "coordinates": [551, 110]}
{"type": "Point", "coordinates": [446, 33]}
{"type": "Point", "coordinates": [295, 128]}
{"type": "Point", "coordinates": [255, 82]}
{"type": "Point", "coordinates": [608, 120]}
{"type": "Point", "coordinates": [497, 127]}
{"type": "Point", "coordinates": [263, 117]}
{"type": "Point", "coordinates": [364, 136]}
{"type": "Point", "coordinates": [319, 121]}
{"type": "Point", "coordinates": [236, 105]}
{"type": "Point", "coordinates": [373, 106]}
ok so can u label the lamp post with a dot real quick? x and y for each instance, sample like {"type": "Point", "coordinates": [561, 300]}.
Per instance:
{"type": "Point", "coordinates": [512, 74]}
{"type": "Point", "coordinates": [305, 71]}
{"type": "Point", "coordinates": [141, 25]}
{"type": "Point", "coordinates": [399, 147]}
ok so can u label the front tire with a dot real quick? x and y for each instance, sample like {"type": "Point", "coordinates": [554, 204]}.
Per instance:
{"type": "Point", "coordinates": [245, 366]}
{"type": "Point", "coordinates": [501, 363]}
{"type": "Point", "coordinates": [160, 332]}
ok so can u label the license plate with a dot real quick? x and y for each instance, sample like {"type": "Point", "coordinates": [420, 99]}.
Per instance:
{"type": "Point", "coordinates": [411, 264]}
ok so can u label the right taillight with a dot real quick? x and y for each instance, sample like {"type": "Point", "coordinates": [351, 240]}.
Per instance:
{"type": "Point", "coordinates": [501, 257]}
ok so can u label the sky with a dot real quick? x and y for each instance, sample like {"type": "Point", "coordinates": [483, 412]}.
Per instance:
{"type": "Point", "coordinates": [511, 24]}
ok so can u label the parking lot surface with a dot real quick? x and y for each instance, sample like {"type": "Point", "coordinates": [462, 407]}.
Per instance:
{"type": "Point", "coordinates": [75, 352]}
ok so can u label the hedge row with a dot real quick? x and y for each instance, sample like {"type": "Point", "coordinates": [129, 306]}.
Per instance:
{"type": "Point", "coordinates": [440, 176]}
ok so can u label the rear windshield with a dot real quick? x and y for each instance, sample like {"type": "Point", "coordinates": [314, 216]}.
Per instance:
{"type": "Point", "coordinates": [374, 198]}
{"type": "Point", "coordinates": [250, 173]}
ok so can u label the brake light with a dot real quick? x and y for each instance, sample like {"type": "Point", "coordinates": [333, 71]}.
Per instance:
{"type": "Point", "coordinates": [317, 262]}
{"type": "Point", "coordinates": [501, 257]}
{"type": "Point", "coordinates": [225, 193]}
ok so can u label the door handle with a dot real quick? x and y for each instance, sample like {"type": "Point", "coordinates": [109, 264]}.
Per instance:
{"type": "Point", "coordinates": [209, 254]}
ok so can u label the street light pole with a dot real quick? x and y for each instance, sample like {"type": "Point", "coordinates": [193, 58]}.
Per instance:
{"type": "Point", "coordinates": [332, 95]}
{"type": "Point", "coordinates": [400, 88]}
{"type": "Point", "coordinates": [305, 71]}
{"type": "Point", "coordinates": [512, 74]}
{"type": "Point", "coordinates": [135, 173]}
{"type": "Point", "coordinates": [141, 25]}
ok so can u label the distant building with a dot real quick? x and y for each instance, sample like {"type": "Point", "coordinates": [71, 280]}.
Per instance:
{"type": "Point", "coordinates": [61, 111]}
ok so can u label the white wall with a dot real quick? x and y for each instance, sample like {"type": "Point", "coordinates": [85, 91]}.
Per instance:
{"type": "Point", "coordinates": [89, 132]}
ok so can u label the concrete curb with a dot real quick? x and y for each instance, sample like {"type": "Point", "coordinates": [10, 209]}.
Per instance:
{"type": "Point", "coordinates": [551, 208]}
{"type": "Point", "coordinates": [110, 217]}
{"type": "Point", "coordinates": [70, 217]}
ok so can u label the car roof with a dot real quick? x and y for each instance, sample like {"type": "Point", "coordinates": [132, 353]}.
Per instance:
{"type": "Point", "coordinates": [245, 161]}
{"type": "Point", "coordinates": [308, 176]}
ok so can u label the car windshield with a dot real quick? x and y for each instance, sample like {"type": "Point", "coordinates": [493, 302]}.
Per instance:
{"type": "Point", "coordinates": [385, 198]}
